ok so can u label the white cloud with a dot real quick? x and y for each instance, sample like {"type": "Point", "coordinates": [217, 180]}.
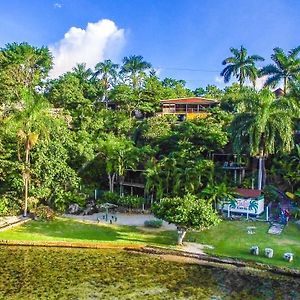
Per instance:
{"type": "Point", "coordinates": [260, 82]}
{"type": "Point", "coordinates": [99, 41]}
{"type": "Point", "coordinates": [57, 5]}
{"type": "Point", "coordinates": [219, 79]}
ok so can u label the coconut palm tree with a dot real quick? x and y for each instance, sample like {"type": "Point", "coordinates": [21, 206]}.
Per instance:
{"type": "Point", "coordinates": [264, 127]}
{"type": "Point", "coordinates": [83, 73]}
{"type": "Point", "coordinates": [241, 66]}
{"type": "Point", "coordinates": [286, 68]}
{"type": "Point", "coordinates": [30, 124]}
{"type": "Point", "coordinates": [135, 66]}
{"type": "Point", "coordinates": [108, 72]}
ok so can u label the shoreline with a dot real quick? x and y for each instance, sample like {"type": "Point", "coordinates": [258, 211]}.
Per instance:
{"type": "Point", "coordinates": [164, 253]}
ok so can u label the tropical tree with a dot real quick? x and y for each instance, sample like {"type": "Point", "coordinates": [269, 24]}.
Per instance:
{"type": "Point", "coordinates": [30, 125]}
{"type": "Point", "coordinates": [186, 213]}
{"type": "Point", "coordinates": [217, 193]}
{"type": "Point", "coordinates": [119, 154]}
{"type": "Point", "coordinates": [134, 67]}
{"type": "Point", "coordinates": [82, 72]}
{"type": "Point", "coordinates": [241, 66]}
{"type": "Point", "coordinates": [22, 66]}
{"type": "Point", "coordinates": [286, 68]}
{"type": "Point", "coordinates": [108, 73]}
{"type": "Point", "coordinates": [264, 127]}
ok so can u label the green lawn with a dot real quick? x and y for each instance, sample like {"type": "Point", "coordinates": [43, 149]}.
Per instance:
{"type": "Point", "coordinates": [230, 238]}
{"type": "Point", "coordinates": [68, 230]}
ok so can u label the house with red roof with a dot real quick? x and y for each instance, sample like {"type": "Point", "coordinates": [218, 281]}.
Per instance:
{"type": "Point", "coordinates": [187, 108]}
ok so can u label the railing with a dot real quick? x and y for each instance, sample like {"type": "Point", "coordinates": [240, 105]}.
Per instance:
{"type": "Point", "coordinates": [182, 110]}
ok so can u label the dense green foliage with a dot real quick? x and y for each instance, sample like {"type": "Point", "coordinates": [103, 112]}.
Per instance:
{"type": "Point", "coordinates": [61, 139]}
{"type": "Point", "coordinates": [186, 213]}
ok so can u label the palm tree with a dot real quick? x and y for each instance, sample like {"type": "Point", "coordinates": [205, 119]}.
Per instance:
{"type": "Point", "coordinates": [30, 124]}
{"type": "Point", "coordinates": [218, 193]}
{"type": "Point", "coordinates": [241, 66]}
{"type": "Point", "coordinates": [264, 126]}
{"type": "Point", "coordinates": [135, 66]}
{"type": "Point", "coordinates": [286, 68]}
{"type": "Point", "coordinates": [83, 73]}
{"type": "Point", "coordinates": [108, 72]}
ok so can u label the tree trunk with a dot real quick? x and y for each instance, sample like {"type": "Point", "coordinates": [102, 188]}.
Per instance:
{"type": "Point", "coordinates": [260, 173]}
{"type": "Point", "coordinates": [284, 85]}
{"type": "Point", "coordinates": [26, 177]}
{"type": "Point", "coordinates": [181, 235]}
{"type": "Point", "coordinates": [111, 181]}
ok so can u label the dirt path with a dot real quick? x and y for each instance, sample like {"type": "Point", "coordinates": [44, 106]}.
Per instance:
{"type": "Point", "coordinates": [195, 248]}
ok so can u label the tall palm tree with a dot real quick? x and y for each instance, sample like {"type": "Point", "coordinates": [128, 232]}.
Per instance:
{"type": "Point", "coordinates": [135, 66]}
{"type": "Point", "coordinates": [264, 127]}
{"type": "Point", "coordinates": [241, 66]}
{"type": "Point", "coordinates": [83, 73]}
{"type": "Point", "coordinates": [108, 72]}
{"type": "Point", "coordinates": [31, 123]}
{"type": "Point", "coordinates": [286, 68]}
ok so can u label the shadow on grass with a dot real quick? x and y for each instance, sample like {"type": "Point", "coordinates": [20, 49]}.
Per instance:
{"type": "Point", "coordinates": [62, 229]}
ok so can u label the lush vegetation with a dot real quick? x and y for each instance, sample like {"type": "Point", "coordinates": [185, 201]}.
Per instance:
{"type": "Point", "coordinates": [186, 213]}
{"type": "Point", "coordinates": [62, 138]}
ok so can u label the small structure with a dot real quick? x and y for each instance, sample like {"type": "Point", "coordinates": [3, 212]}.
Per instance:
{"type": "Point", "coordinates": [233, 164]}
{"type": "Point", "coordinates": [288, 256]}
{"type": "Point", "coordinates": [269, 252]}
{"type": "Point", "coordinates": [248, 202]}
{"type": "Point", "coordinates": [187, 108]}
{"type": "Point", "coordinates": [254, 250]}
{"type": "Point", "coordinates": [107, 206]}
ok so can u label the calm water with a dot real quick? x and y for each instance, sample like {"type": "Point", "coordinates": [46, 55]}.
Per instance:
{"type": "Point", "coordinates": [44, 273]}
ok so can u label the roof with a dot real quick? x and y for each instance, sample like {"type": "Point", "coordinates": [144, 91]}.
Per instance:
{"type": "Point", "coordinates": [190, 100]}
{"type": "Point", "coordinates": [279, 92]}
{"type": "Point", "coordinates": [248, 193]}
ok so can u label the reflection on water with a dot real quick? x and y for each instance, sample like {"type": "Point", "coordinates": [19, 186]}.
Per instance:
{"type": "Point", "coordinates": [53, 273]}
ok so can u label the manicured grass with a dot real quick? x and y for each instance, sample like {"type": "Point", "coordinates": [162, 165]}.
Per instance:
{"type": "Point", "coordinates": [230, 238]}
{"type": "Point", "coordinates": [68, 230]}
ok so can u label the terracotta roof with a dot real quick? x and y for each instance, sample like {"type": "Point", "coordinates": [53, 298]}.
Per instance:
{"type": "Point", "coordinates": [248, 193]}
{"type": "Point", "coordinates": [190, 100]}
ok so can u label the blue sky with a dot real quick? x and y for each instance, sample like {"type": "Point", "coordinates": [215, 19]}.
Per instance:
{"type": "Point", "coordinates": [174, 35]}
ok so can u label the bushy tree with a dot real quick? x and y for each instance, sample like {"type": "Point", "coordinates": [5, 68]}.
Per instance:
{"type": "Point", "coordinates": [187, 212]}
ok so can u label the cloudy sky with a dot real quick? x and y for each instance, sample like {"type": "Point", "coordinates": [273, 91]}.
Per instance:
{"type": "Point", "coordinates": [182, 39]}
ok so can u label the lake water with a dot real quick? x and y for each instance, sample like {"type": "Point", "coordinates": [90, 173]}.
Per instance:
{"type": "Point", "coordinates": [56, 273]}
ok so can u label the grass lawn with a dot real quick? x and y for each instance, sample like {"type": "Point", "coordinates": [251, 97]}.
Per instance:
{"type": "Point", "coordinates": [230, 238]}
{"type": "Point", "coordinates": [68, 230]}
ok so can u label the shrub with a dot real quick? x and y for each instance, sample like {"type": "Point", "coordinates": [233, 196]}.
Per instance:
{"type": "Point", "coordinates": [130, 201]}
{"type": "Point", "coordinates": [110, 197]}
{"type": "Point", "coordinates": [124, 201]}
{"type": "Point", "coordinates": [63, 199]}
{"type": "Point", "coordinates": [153, 223]}
{"type": "Point", "coordinates": [9, 204]}
{"type": "Point", "coordinates": [44, 213]}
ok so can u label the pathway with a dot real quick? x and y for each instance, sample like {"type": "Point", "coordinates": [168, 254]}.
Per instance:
{"type": "Point", "coordinates": [122, 219]}
{"type": "Point", "coordinates": [11, 221]}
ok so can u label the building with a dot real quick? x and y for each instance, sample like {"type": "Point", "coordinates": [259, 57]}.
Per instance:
{"type": "Point", "coordinates": [247, 202]}
{"type": "Point", "coordinates": [187, 108]}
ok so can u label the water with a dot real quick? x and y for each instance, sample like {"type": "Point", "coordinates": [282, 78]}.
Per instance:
{"type": "Point", "coordinates": [56, 273]}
